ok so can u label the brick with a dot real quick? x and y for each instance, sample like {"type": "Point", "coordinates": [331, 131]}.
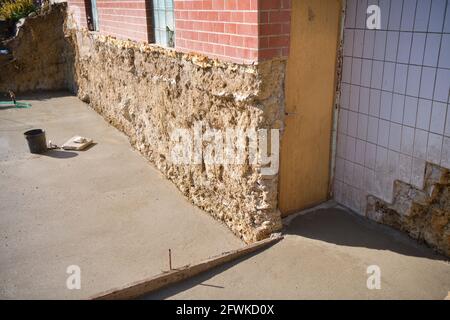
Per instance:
{"type": "Point", "coordinates": [242, 31]}
{"type": "Point", "coordinates": [268, 53]}
{"type": "Point", "coordinates": [279, 41]}
{"type": "Point", "coordinates": [263, 17]}
{"type": "Point", "coordinates": [230, 28]}
{"type": "Point", "coordinates": [247, 29]}
{"type": "Point", "coordinates": [270, 29]}
{"type": "Point", "coordinates": [230, 4]}
{"type": "Point", "coordinates": [244, 5]}
{"type": "Point", "coordinates": [218, 4]}
{"type": "Point", "coordinates": [236, 41]}
{"type": "Point", "coordinates": [251, 17]}
{"type": "Point", "coordinates": [279, 16]}
{"type": "Point", "coordinates": [251, 42]}
{"type": "Point", "coordinates": [269, 4]}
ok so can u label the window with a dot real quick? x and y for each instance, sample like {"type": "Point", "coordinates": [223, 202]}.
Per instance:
{"type": "Point", "coordinates": [163, 22]}
{"type": "Point", "coordinates": [91, 14]}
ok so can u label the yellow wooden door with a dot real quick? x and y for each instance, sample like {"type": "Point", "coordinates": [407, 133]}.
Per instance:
{"type": "Point", "coordinates": [310, 92]}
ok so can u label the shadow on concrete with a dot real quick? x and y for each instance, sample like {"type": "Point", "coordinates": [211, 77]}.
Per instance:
{"type": "Point", "coordinates": [198, 280]}
{"type": "Point", "coordinates": [342, 228]}
{"type": "Point", "coordinates": [333, 226]}
{"type": "Point", "coordinates": [43, 95]}
{"type": "Point", "coordinates": [93, 144]}
{"type": "Point", "coordinates": [8, 107]}
{"type": "Point", "coordinates": [60, 154]}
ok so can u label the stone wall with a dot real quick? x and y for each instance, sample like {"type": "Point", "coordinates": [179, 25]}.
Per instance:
{"type": "Point", "coordinates": [41, 58]}
{"type": "Point", "coordinates": [147, 92]}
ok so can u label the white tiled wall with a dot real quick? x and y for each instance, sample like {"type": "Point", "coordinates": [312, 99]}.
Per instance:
{"type": "Point", "coordinates": [394, 113]}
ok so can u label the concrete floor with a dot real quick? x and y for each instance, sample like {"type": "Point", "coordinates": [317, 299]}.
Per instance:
{"type": "Point", "coordinates": [105, 209]}
{"type": "Point", "coordinates": [109, 212]}
{"type": "Point", "coordinates": [325, 255]}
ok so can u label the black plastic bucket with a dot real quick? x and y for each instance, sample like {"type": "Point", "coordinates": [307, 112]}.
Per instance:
{"type": "Point", "coordinates": [36, 140]}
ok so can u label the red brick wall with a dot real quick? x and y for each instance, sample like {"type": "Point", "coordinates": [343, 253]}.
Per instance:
{"type": "Point", "coordinates": [219, 28]}
{"type": "Point", "coordinates": [242, 31]}
{"type": "Point", "coordinates": [274, 28]}
{"type": "Point", "coordinates": [123, 19]}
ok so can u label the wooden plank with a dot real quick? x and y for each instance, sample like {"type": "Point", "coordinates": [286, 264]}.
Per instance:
{"type": "Point", "coordinates": [149, 285]}
{"type": "Point", "coordinates": [310, 93]}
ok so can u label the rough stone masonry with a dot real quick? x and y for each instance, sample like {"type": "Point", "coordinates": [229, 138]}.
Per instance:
{"type": "Point", "coordinates": [147, 92]}
{"type": "Point", "coordinates": [41, 60]}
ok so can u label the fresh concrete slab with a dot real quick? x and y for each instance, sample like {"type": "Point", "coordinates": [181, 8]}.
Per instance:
{"type": "Point", "coordinates": [325, 255]}
{"type": "Point", "coordinates": [146, 286]}
{"type": "Point", "coordinates": [105, 209]}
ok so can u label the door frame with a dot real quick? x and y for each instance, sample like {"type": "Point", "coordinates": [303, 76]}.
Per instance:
{"type": "Point", "coordinates": [334, 116]}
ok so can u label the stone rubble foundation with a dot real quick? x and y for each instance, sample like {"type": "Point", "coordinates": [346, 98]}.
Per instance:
{"type": "Point", "coordinates": [42, 56]}
{"type": "Point", "coordinates": [148, 92]}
